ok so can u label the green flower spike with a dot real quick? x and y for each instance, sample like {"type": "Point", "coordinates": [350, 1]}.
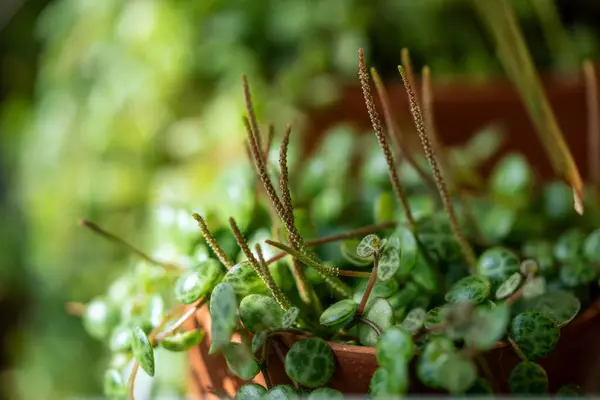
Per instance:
{"type": "Point", "coordinates": [259, 312]}
{"type": "Point", "coordinates": [535, 333]}
{"type": "Point", "coordinates": [498, 264]}
{"type": "Point", "coordinates": [310, 362]}
{"type": "Point", "coordinates": [473, 289]}
{"type": "Point", "coordinates": [528, 378]}
{"type": "Point", "coordinates": [250, 391]}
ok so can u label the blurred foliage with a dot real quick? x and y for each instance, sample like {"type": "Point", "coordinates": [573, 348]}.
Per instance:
{"type": "Point", "coordinates": [136, 113]}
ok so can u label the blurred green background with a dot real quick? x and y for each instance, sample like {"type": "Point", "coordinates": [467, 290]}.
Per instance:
{"type": "Point", "coordinates": [113, 110]}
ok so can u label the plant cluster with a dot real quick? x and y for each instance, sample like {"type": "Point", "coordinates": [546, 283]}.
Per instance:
{"type": "Point", "coordinates": [445, 276]}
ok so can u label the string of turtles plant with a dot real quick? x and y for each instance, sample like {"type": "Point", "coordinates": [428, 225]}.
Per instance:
{"type": "Point", "coordinates": [510, 263]}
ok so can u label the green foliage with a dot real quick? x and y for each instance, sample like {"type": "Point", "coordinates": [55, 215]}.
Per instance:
{"type": "Point", "coordinates": [143, 351]}
{"type": "Point", "coordinates": [183, 341]}
{"type": "Point", "coordinates": [528, 378]}
{"type": "Point", "coordinates": [310, 362]}
{"type": "Point", "coordinates": [559, 305]}
{"type": "Point", "coordinates": [259, 312]}
{"type": "Point", "coordinates": [241, 361]}
{"type": "Point", "coordinates": [99, 318]}
{"type": "Point", "coordinates": [114, 387]}
{"type": "Point", "coordinates": [325, 393]}
{"type": "Point", "coordinates": [497, 264]}
{"type": "Point", "coordinates": [474, 289]}
{"type": "Point", "coordinates": [368, 246]}
{"type": "Point", "coordinates": [509, 286]}
{"type": "Point", "coordinates": [245, 280]}
{"type": "Point", "coordinates": [382, 315]}
{"type": "Point", "coordinates": [197, 282]}
{"type": "Point", "coordinates": [488, 326]}
{"type": "Point", "coordinates": [430, 361]}
{"type": "Point", "coordinates": [394, 346]}
{"type": "Point", "coordinates": [280, 392]}
{"type": "Point", "coordinates": [535, 334]}
{"type": "Point", "coordinates": [414, 320]}
{"type": "Point", "coordinates": [339, 313]}
{"type": "Point", "coordinates": [223, 311]}
{"type": "Point", "coordinates": [250, 391]}
{"type": "Point", "coordinates": [456, 374]}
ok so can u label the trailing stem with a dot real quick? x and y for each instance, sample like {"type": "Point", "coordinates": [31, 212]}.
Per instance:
{"type": "Point", "coordinates": [382, 139]}
{"type": "Point", "coordinates": [439, 180]}
{"type": "Point", "coordinates": [370, 284]}
{"type": "Point", "coordinates": [212, 242]}
{"type": "Point", "coordinates": [115, 239]}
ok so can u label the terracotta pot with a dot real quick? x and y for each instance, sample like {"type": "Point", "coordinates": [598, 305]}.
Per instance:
{"type": "Point", "coordinates": [460, 110]}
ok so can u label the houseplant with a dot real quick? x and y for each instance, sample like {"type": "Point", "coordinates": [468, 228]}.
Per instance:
{"type": "Point", "coordinates": [444, 281]}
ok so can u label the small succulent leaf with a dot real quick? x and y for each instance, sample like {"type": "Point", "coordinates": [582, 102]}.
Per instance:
{"type": "Point", "coordinates": [558, 200]}
{"type": "Point", "coordinates": [409, 251]}
{"type": "Point", "coordinates": [414, 320]}
{"type": "Point", "coordinates": [488, 326]}
{"type": "Point", "coordinates": [528, 378]}
{"type": "Point", "coordinates": [143, 351]}
{"type": "Point", "coordinates": [497, 264]}
{"type": "Point", "coordinates": [558, 305]}
{"type": "Point", "coordinates": [183, 341]}
{"type": "Point", "coordinates": [512, 178]}
{"type": "Point", "coordinates": [114, 386]}
{"type": "Point", "coordinates": [197, 282]}
{"type": "Point", "coordinates": [535, 334]}
{"type": "Point", "coordinates": [280, 392]}
{"type": "Point", "coordinates": [534, 287]}
{"type": "Point", "coordinates": [368, 246]}
{"type": "Point", "coordinates": [385, 384]}
{"type": "Point", "coordinates": [100, 318]}
{"type": "Point", "coordinates": [394, 345]}
{"type": "Point", "coordinates": [241, 361]}
{"type": "Point", "coordinates": [542, 252]}
{"type": "Point", "coordinates": [473, 289]}
{"type": "Point", "coordinates": [381, 290]}
{"type": "Point", "coordinates": [245, 280]}
{"type": "Point", "coordinates": [325, 394]}
{"type": "Point", "coordinates": [591, 247]}
{"type": "Point", "coordinates": [223, 312]}
{"type": "Point", "coordinates": [259, 340]}
{"type": "Point", "coordinates": [121, 338]}
{"type": "Point", "coordinates": [389, 263]}
{"type": "Point", "coordinates": [509, 286]}
{"type": "Point", "coordinates": [250, 391]}
{"type": "Point", "coordinates": [435, 234]}
{"type": "Point", "coordinates": [290, 316]}
{"type": "Point", "coordinates": [339, 313]}
{"type": "Point", "coordinates": [310, 362]}
{"type": "Point", "coordinates": [384, 207]}
{"type": "Point", "coordinates": [259, 312]}
{"type": "Point", "coordinates": [577, 273]}
{"type": "Point", "coordinates": [436, 316]}
{"type": "Point", "coordinates": [570, 246]}
{"type": "Point", "coordinates": [456, 374]}
{"type": "Point", "coordinates": [481, 387]}
{"type": "Point", "coordinates": [458, 319]}
{"type": "Point", "coordinates": [424, 274]}
{"type": "Point", "coordinates": [497, 222]}
{"type": "Point", "coordinates": [382, 315]}
{"type": "Point", "coordinates": [430, 360]}
{"type": "Point", "coordinates": [348, 250]}
{"type": "Point", "coordinates": [569, 391]}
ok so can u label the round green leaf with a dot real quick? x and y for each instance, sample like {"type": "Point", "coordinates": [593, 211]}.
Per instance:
{"type": "Point", "coordinates": [528, 378]}
{"type": "Point", "coordinates": [509, 286]}
{"type": "Point", "coordinates": [245, 280]}
{"type": "Point", "coordinates": [414, 320]}
{"type": "Point", "coordinates": [569, 246]}
{"type": "Point", "coordinates": [338, 313]}
{"type": "Point", "coordinates": [223, 312]}
{"type": "Point", "coordinates": [259, 340]}
{"type": "Point", "coordinates": [497, 264]}
{"type": "Point", "coordinates": [280, 392]}
{"type": "Point", "coordinates": [143, 351]}
{"type": "Point", "coordinates": [534, 287]}
{"type": "Point", "coordinates": [389, 263]}
{"type": "Point", "coordinates": [435, 316]}
{"type": "Point", "coordinates": [435, 235]}
{"type": "Point", "coordinates": [348, 250]}
{"type": "Point", "coordinates": [591, 247]}
{"type": "Point", "coordinates": [488, 326]}
{"type": "Point", "coordinates": [290, 317]}
{"type": "Point", "coordinates": [241, 361]}
{"type": "Point", "coordinates": [325, 394]}
{"type": "Point", "coordinates": [250, 391]}
{"type": "Point", "coordinates": [386, 384]}
{"type": "Point", "coordinates": [408, 253]}
{"type": "Point", "coordinates": [424, 274]}
{"type": "Point", "coordinates": [497, 222]}
{"type": "Point", "coordinates": [99, 318]}
{"type": "Point", "coordinates": [381, 290]}
{"type": "Point", "coordinates": [535, 334]}
{"type": "Point", "coordinates": [430, 361]}
{"type": "Point", "coordinates": [259, 312]}
{"type": "Point", "coordinates": [382, 315]}
{"type": "Point", "coordinates": [310, 362]}
{"type": "Point", "coordinates": [456, 374]}
{"type": "Point", "coordinates": [512, 177]}
{"type": "Point", "coordinates": [114, 386]}
{"type": "Point", "coordinates": [384, 207]}
{"type": "Point", "coordinates": [197, 282]}
{"type": "Point", "coordinates": [558, 305]}
{"type": "Point", "coordinates": [577, 273]}
{"type": "Point", "coordinates": [473, 289]}
{"type": "Point", "coordinates": [368, 246]}
{"type": "Point", "coordinates": [183, 341]}
{"type": "Point", "coordinates": [569, 391]}
{"type": "Point", "coordinates": [558, 200]}
{"type": "Point", "coordinates": [542, 252]}
{"type": "Point", "coordinates": [121, 338]}
{"type": "Point", "coordinates": [394, 345]}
